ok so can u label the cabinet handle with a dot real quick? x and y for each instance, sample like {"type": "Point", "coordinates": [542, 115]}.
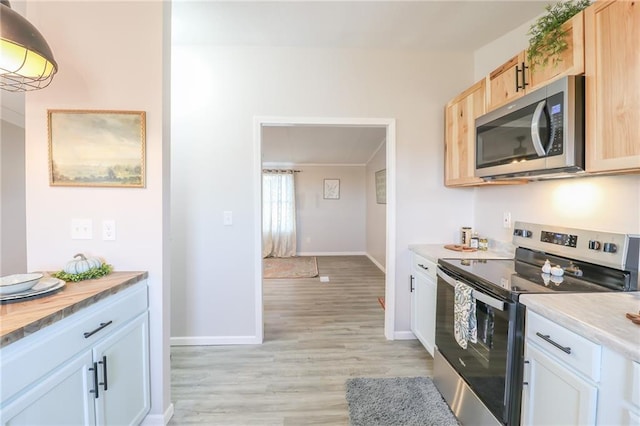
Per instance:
{"type": "Point", "coordinates": [423, 267]}
{"type": "Point", "coordinates": [547, 338]}
{"type": "Point", "coordinates": [524, 77]}
{"type": "Point", "coordinates": [102, 325]}
{"type": "Point", "coordinates": [95, 390]}
{"type": "Point", "coordinates": [411, 284]}
{"type": "Point", "coordinates": [104, 371]}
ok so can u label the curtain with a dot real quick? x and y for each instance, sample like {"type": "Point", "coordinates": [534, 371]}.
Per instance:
{"type": "Point", "coordinates": [278, 214]}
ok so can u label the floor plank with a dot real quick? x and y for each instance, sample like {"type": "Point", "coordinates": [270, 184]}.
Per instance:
{"type": "Point", "coordinates": [317, 335]}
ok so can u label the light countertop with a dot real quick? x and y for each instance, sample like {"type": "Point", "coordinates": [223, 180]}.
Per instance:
{"type": "Point", "coordinates": [434, 252]}
{"type": "Point", "coordinates": [19, 319]}
{"type": "Point", "coordinates": [599, 317]}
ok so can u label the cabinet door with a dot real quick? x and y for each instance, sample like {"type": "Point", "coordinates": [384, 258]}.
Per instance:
{"type": "Point", "coordinates": [553, 394]}
{"type": "Point", "coordinates": [123, 365]}
{"type": "Point", "coordinates": [612, 70]}
{"type": "Point", "coordinates": [460, 136]}
{"type": "Point", "coordinates": [425, 310]}
{"type": "Point", "coordinates": [569, 62]}
{"type": "Point", "coordinates": [504, 84]}
{"type": "Point", "coordinates": [63, 398]}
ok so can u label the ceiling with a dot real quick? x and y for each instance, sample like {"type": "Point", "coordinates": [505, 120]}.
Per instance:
{"type": "Point", "coordinates": [447, 25]}
{"type": "Point", "coordinates": [424, 25]}
{"type": "Point", "coordinates": [320, 144]}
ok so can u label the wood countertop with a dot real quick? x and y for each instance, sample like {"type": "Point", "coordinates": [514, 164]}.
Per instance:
{"type": "Point", "coordinates": [19, 319]}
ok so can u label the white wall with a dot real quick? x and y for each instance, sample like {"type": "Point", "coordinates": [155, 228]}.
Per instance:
{"type": "Point", "coordinates": [13, 228]}
{"type": "Point", "coordinates": [213, 161]}
{"type": "Point", "coordinates": [330, 226]}
{"type": "Point", "coordinates": [376, 213]}
{"type": "Point", "coordinates": [601, 203]}
{"type": "Point", "coordinates": [108, 67]}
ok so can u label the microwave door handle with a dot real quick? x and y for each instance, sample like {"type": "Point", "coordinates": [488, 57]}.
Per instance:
{"type": "Point", "coordinates": [535, 129]}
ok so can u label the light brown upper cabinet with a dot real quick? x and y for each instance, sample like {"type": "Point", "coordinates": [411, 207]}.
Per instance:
{"type": "Point", "coordinates": [514, 78]}
{"type": "Point", "coordinates": [612, 80]}
{"type": "Point", "coordinates": [460, 136]}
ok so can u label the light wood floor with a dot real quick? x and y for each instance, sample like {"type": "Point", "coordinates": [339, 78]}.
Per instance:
{"type": "Point", "coordinates": [317, 335]}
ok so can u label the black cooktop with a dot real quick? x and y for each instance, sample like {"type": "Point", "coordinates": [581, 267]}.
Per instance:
{"type": "Point", "coordinates": [509, 278]}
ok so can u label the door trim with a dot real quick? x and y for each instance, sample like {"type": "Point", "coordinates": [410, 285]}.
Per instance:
{"type": "Point", "coordinates": [390, 125]}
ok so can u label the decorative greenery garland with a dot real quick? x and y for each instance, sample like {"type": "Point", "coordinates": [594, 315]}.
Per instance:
{"type": "Point", "coordinates": [87, 275]}
{"type": "Point", "coordinates": [547, 38]}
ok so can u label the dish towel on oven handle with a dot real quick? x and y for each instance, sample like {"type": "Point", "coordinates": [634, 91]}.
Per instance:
{"type": "Point", "coordinates": [464, 315]}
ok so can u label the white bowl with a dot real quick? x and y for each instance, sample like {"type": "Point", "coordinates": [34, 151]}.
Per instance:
{"type": "Point", "coordinates": [18, 282]}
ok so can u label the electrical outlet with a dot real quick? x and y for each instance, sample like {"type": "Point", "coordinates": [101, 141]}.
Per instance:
{"type": "Point", "coordinates": [109, 230]}
{"type": "Point", "coordinates": [81, 229]}
{"type": "Point", "coordinates": [506, 220]}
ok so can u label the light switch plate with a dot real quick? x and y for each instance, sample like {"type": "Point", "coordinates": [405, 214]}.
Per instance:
{"type": "Point", "coordinates": [81, 229]}
{"type": "Point", "coordinates": [228, 218]}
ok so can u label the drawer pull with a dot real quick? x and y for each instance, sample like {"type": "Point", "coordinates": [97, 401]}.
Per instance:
{"type": "Point", "coordinates": [95, 391]}
{"type": "Point", "coordinates": [547, 338]}
{"type": "Point", "coordinates": [423, 267]}
{"type": "Point", "coordinates": [102, 325]}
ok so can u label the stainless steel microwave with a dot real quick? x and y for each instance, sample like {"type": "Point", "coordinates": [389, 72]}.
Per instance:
{"type": "Point", "coordinates": [540, 135]}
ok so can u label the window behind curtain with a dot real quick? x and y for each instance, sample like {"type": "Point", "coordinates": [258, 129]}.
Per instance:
{"type": "Point", "coordinates": [278, 214]}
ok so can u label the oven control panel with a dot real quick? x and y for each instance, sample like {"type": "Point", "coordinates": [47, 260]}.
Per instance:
{"type": "Point", "coordinates": [611, 249]}
{"type": "Point", "coordinates": [567, 240]}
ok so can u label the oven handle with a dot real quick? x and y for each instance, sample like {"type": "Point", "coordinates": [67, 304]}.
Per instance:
{"type": "Point", "coordinates": [484, 298]}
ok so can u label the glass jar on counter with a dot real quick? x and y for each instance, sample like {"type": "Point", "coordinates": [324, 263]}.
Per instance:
{"type": "Point", "coordinates": [483, 244]}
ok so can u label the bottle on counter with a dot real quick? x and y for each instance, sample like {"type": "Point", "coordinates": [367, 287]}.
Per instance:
{"type": "Point", "coordinates": [465, 236]}
{"type": "Point", "coordinates": [483, 244]}
{"type": "Point", "coordinates": [474, 242]}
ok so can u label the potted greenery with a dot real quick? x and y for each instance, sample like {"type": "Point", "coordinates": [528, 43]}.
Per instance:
{"type": "Point", "coordinates": [547, 37]}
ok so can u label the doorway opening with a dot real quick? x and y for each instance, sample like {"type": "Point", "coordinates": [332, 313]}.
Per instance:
{"type": "Point", "coordinates": [388, 125]}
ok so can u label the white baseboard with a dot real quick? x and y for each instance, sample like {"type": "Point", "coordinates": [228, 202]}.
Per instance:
{"type": "Point", "coordinates": [214, 340]}
{"type": "Point", "coordinates": [158, 419]}
{"type": "Point", "coordinates": [403, 335]}
{"type": "Point", "coordinates": [331, 253]}
{"type": "Point", "coordinates": [375, 262]}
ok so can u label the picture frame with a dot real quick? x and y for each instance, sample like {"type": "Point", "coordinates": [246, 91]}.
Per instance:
{"type": "Point", "coordinates": [98, 148]}
{"type": "Point", "coordinates": [381, 186]}
{"type": "Point", "coordinates": [331, 189]}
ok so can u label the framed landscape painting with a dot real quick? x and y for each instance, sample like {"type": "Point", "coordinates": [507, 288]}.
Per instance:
{"type": "Point", "coordinates": [97, 148]}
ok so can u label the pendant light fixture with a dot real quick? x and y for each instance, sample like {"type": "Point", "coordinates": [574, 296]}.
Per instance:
{"type": "Point", "coordinates": [26, 61]}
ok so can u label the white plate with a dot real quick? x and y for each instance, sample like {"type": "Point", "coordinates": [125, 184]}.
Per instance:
{"type": "Point", "coordinates": [44, 286]}
{"type": "Point", "coordinates": [18, 282]}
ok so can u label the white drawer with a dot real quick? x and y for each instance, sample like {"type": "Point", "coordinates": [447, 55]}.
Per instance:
{"type": "Point", "coordinates": [423, 265]}
{"type": "Point", "coordinates": [33, 356]}
{"type": "Point", "coordinates": [574, 350]}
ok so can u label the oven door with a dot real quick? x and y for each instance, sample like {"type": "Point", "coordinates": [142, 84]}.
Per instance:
{"type": "Point", "coordinates": [491, 365]}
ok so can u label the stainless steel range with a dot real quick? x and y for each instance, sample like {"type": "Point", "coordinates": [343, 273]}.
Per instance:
{"type": "Point", "coordinates": [481, 378]}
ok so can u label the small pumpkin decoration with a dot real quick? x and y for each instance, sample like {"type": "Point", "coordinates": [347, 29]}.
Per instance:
{"type": "Point", "coordinates": [81, 264]}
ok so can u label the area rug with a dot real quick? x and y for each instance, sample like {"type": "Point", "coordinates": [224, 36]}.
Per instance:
{"type": "Point", "coordinates": [405, 401]}
{"type": "Point", "coordinates": [290, 267]}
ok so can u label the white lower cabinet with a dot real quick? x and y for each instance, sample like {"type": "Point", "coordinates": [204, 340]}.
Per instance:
{"type": "Point", "coordinates": [103, 381]}
{"type": "Point", "coordinates": [553, 394]}
{"type": "Point", "coordinates": [60, 399]}
{"type": "Point", "coordinates": [570, 380]}
{"type": "Point", "coordinates": [423, 301]}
